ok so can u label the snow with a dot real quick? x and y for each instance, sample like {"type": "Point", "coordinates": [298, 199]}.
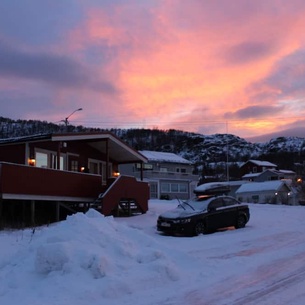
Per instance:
{"type": "Point", "coordinates": [159, 156]}
{"type": "Point", "coordinates": [273, 185]}
{"type": "Point", "coordinates": [262, 163]}
{"type": "Point", "coordinates": [92, 259]}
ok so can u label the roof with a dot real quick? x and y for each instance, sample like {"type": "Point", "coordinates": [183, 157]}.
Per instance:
{"type": "Point", "coordinates": [251, 175]}
{"type": "Point", "coordinates": [163, 157]}
{"type": "Point", "coordinates": [118, 150]}
{"type": "Point", "coordinates": [273, 171]}
{"type": "Point", "coordinates": [221, 184]}
{"type": "Point", "coordinates": [260, 163]}
{"type": "Point", "coordinates": [261, 186]}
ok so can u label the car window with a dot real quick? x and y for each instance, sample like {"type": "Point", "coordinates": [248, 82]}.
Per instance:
{"type": "Point", "coordinates": [216, 203]}
{"type": "Point", "coordinates": [228, 201]}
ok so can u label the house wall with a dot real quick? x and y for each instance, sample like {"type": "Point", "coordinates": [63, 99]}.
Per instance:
{"type": "Point", "coordinates": [13, 153]}
{"type": "Point", "coordinates": [267, 176]}
{"type": "Point", "coordinates": [250, 167]}
{"type": "Point", "coordinates": [163, 184]}
{"type": "Point", "coordinates": [79, 151]}
{"type": "Point", "coordinates": [271, 196]}
{"type": "Point", "coordinates": [31, 183]}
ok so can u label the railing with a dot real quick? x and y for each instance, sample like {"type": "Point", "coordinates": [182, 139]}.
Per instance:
{"type": "Point", "coordinates": [168, 175]}
{"type": "Point", "coordinates": [22, 182]}
{"type": "Point", "coordinates": [125, 188]}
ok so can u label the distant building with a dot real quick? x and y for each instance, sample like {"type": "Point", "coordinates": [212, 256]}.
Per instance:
{"type": "Point", "coordinates": [169, 175]}
{"type": "Point", "coordinates": [255, 166]}
{"type": "Point", "coordinates": [275, 192]}
{"type": "Point", "coordinates": [269, 175]}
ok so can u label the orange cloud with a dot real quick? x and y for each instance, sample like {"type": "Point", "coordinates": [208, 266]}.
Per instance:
{"type": "Point", "coordinates": [174, 59]}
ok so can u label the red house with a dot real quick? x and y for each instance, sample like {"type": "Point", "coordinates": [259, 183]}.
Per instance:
{"type": "Point", "coordinates": [256, 166]}
{"type": "Point", "coordinates": [45, 177]}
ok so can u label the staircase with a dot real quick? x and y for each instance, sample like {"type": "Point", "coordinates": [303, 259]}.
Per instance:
{"type": "Point", "coordinates": [125, 196]}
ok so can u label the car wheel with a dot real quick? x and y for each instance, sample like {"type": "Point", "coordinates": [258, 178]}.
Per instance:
{"type": "Point", "coordinates": [199, 228]}
{"type": "Point", "coordinates": [241, 222]}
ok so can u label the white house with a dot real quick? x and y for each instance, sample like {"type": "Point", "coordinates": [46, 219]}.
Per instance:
{"type": "Point", "coordinates": [276, 192]}
{"type": "Point", "coordinates": [169, 175]}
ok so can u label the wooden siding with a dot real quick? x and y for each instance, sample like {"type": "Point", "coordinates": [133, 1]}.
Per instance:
{"type": "Point", "coordinates": [33, 183]}
{"type": "Point", "coordinates": [13, 153]}
{"type": "Point", "coordinates": [125, 187]}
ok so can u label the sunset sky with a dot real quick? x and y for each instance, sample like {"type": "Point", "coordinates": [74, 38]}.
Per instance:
{"type": "Point", "coordinates": [209, 66]}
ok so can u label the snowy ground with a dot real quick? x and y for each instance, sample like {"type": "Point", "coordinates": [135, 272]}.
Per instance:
{"type": "Point", "coordinates": [91, 259]}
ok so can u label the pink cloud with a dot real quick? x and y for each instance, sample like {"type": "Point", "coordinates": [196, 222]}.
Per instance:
{"type": "Point", "coordinates": [188, 64]}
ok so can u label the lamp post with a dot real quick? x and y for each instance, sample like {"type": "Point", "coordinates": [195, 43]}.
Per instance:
{"type": "Point", "coordinates": [66, 119]}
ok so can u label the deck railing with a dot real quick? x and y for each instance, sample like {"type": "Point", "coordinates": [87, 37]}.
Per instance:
{"type": "Point", "coordinates": [125, 188]}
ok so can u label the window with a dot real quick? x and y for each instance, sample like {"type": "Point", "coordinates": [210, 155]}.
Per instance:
{"type": "Point", "coordinates": [153, 190]}
{"type": "Point", "coordinates": [165, 187]}
{"type": "Point", "coordinates": [163, 169]}
{"type": "Point", "coordinates": [174, 188]}
{"type": "Point", "coordinates": [94, 168]}
{"type": "Point", "coordinates": [183, 170]}
{"type": "Point", "coordinates": [229, 201]}
{"type": "Point", "coordinates": [183, 188]}
{"type": "Point", "coordinates": [48, 159]}
{"type": "Point", "coordinates": [217, 203]}
{"type": "Point", "coordinates": [255, 198]}
{"type": "Point", "coordinates": [98, 167]}
{"type": "Point", "coordinates": [53, 161]}
{"type": "Point", "coordinates": [74, 165]}
{"type": "Point", "coordinates": [41, 159]}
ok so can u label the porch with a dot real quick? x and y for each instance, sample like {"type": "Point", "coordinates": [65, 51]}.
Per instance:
{"type": "Point", "coordinates": [32, 196]}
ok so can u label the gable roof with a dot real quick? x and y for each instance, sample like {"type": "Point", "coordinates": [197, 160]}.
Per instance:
{"type": "Point", "coordinates": [164, 157]}
{"type": "Point", "coordinates": [118, 150]}
{"type": "Point", "coordinates": [260, 163]}
{"type": "Point", "coordinates": [270, 170]}
{"type": "Point", "coordinates": [274, 185]}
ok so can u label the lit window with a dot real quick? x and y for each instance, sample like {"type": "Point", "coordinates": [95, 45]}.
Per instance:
{"type": "Point", "coordinates": [41, 159]}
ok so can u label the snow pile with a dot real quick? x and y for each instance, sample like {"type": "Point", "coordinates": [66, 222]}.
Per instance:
{"type": "Point", "coordinates": [92, 259]}
{"type": "Point", "coordinates": [85, 248]}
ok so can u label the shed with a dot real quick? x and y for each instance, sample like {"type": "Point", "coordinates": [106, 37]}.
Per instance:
{"type": "Point", "coordinates": [275, 192]}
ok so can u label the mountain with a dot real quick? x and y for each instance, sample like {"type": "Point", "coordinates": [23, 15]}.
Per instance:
{"type": "Point", "coordinates": [203, 150]}
{"type": "Point", "coordinates": [290, 132]}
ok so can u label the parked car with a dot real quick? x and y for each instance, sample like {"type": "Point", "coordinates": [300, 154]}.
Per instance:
{"type": "Point", "coordinates": [204, 214]}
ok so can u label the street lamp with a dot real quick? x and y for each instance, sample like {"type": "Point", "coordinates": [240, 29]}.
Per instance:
{"type": "Point", "coordinates": [66, 119]}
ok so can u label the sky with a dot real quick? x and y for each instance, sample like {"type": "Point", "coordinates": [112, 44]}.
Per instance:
{"type": "Point", "coordinates": [92, 259]}
{"type": "Point", "coordinates": [226, 66]}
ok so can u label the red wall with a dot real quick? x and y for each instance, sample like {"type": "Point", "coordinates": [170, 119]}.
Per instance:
{"type": "Point", "coordinates": [13, 153]}
{"type": "Point", "coordinates": [27, 180]}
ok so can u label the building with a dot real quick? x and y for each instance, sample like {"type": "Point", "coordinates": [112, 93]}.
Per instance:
{"type": "Point", "coordinates": [169, 175]}
{"type": "Point", "coordinates": [62, 173]}
{"type": "Point", "coordinates": [255, 166]}
{"type": "Point", "coordinates": [269, 175]}
{"type": "Point", "coordinates": [274, 192]}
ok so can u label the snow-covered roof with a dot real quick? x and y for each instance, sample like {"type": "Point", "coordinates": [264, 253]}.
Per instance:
{"type": "Point", "coordinates": [277, 172]}
{"type": "Point", "coordinates": [163, 157]}
{"type": "Point", "coordinates": [261, 163]}
{"type": "Point", "coordinates": [251, 175]}
{"type": "Point", "coordinates": [261, 186]}
{"type": "Point", "coordinates": [286, 171]}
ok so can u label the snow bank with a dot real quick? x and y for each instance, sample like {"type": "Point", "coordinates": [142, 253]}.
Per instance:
{"type": "Point", "coordinates": [85, 248]}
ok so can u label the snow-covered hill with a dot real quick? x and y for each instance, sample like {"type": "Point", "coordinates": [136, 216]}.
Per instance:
{"type": "Point", "coordinates": [198, 148]}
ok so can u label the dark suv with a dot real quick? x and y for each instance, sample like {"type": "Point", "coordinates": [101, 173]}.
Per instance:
{"type": "Point", "coordinates": [204, 214]}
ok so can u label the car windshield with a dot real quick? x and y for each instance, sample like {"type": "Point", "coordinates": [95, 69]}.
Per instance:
{"type": "Point", "coordinates": [197, 203]}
